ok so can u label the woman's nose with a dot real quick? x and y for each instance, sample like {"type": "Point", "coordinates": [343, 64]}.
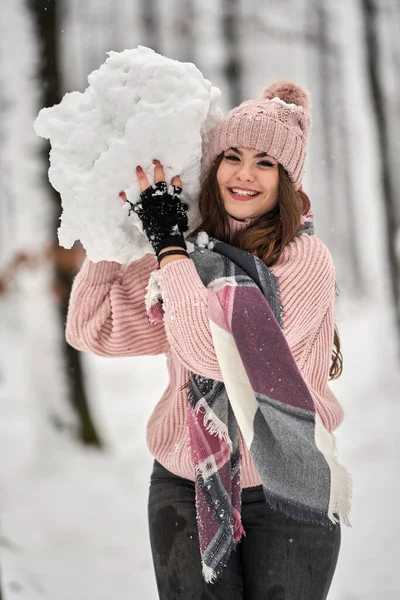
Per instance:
{"type": "Point", "coordinates": [244, 173]}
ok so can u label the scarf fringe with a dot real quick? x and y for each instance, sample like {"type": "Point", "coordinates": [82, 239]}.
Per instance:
{"type": "Point", "coordinates": [209, 574]}
{"type": "Point", "coordinates": [153, 290]}
{"type": "Point", "coordinates": [155, 314]}
{"type": "Point", "coordinates": [342, 489]}
{"type": "Point", "coordinates": [295, 511]}
{"type": "Point", "coordinates": [238, 531]}
{"type": "Point", "coordinates": [338, 510]}
{"type": "Point", "coordinates": [212, 423]}
{"type": "Point", "coordinates": [341, 482]}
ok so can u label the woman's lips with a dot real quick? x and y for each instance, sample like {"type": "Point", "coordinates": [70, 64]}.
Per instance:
{"type": "Point", "coordinates": [243, 198]}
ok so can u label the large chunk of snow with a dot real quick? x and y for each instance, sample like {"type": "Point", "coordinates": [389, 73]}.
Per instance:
{"type": "Point", "coordinates": [138, 106]}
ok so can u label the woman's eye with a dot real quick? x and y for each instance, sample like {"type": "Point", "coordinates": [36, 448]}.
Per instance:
{"type": "Point", "coordinates": [266, 163]}
{"type": "Point", "coordinates": [231, 157]}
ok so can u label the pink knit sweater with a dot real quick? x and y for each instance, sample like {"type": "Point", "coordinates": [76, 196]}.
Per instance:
{"type": "Point", "coordinates": [107, 316]}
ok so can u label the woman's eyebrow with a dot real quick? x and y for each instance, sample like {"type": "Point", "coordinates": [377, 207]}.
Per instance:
{"type": "Point", "coordinates": [262, 155]}
{"type": "Point", "coordinates": [259, 155]}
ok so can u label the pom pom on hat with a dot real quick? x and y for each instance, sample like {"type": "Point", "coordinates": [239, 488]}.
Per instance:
{"type": "Point", "coordinates": [288, 91]}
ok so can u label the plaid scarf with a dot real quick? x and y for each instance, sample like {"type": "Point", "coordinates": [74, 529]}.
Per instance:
{"type": "Point", "coordinates": [265, 395]}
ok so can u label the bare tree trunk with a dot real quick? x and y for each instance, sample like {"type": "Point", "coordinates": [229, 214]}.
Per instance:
{"type": "Point", "coordinates": [336, 144]}
{"type": "Point", "coordinates": [383, 150]}
{"type": "Point", "coordinates": [181, 43]}
{"type": "Point", "coordinates": [326, 86]}
{"type": "Point", "coordinates": [44, 14]}
{"type": "Point", "coordinates": [151, 23]}
{"type": "Point", "coordinates": [231, 34]}
{"type": "Point", "coordinates": [187, 29]}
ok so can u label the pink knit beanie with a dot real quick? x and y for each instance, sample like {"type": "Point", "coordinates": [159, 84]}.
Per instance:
{"type": "Point", "coordinates": [278, 124]}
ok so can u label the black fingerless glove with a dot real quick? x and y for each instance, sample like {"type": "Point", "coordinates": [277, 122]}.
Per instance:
{"type": "Point", "coordinates": [163, 216]}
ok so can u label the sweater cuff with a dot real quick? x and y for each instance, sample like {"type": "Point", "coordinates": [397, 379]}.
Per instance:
{"type": "Point", "coordinates": [100, 272]}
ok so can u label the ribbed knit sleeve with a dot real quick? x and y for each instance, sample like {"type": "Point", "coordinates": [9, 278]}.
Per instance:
{"type": "Point", "coordinates": [306, 280]}
{"type": "Point", "coordinates": [306, 284]}
{"type": "Point", "coordinates": [185, 302]}
{"type": "Point", "coordinates": [107, 313]}
{"type": "Point", "coordinates": [316, 364]}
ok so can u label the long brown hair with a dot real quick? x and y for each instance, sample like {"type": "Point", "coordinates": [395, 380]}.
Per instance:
{"type": "Point", "coordinates": [267, 236]}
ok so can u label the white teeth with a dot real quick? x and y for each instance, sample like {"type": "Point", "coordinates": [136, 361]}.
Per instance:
{"type": "Point", "coordinates": [243, 192]}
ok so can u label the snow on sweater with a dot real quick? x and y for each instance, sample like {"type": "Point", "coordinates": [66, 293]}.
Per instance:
{"type": "Point", "coordinates": [107, 316]}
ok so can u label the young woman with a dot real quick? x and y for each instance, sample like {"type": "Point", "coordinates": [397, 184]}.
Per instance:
{"type": "Point", "coordinates": [245, 496]}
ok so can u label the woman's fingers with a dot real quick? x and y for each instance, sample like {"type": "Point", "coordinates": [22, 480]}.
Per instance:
{"type": "Point", "coordinates": [176, 181]}
{"type": "Point", "coordinates": [143, 181]}
{"type": "Point", "coordinates": [123, 197]}
{"type": "Point", "coordinates": [159, 174]}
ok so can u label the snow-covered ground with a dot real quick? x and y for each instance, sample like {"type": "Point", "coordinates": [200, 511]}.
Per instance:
{"type": "Point", "coordinates": [74, 521]}
{"type": "Point", "coordinates": [368, 443]}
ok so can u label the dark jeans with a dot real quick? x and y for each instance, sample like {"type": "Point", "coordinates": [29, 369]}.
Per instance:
{"type": "Point", "coordinates": [279, 559]}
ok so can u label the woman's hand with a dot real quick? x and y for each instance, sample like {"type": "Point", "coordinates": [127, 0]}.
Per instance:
{"type": "Point", "coordinates": [160, 209]}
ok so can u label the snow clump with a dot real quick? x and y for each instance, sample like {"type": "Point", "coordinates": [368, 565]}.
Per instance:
{"type": "Point", "coordinates": [139, 106]}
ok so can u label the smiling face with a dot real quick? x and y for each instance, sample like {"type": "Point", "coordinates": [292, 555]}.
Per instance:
{"type": "Point", "coordinates": [248, 182]}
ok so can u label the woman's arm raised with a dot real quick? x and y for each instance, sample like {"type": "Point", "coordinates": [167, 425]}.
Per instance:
{"type": "Point", "coordinates": [107, 313]}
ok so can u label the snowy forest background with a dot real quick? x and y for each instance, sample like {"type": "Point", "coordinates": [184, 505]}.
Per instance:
{"type": "Point", "coordinates": [74, 467]}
